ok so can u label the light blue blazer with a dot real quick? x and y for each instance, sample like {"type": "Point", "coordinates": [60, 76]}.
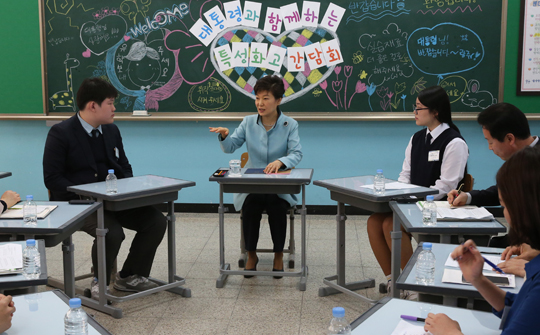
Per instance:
{"type": "Point", "coordinates": [281, 142]}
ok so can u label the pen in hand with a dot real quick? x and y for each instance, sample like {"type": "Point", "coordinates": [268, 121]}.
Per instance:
{"type": "Point", "coordinates": [485, 260]}
{"type": "Point", "coordinates": [458, 193]}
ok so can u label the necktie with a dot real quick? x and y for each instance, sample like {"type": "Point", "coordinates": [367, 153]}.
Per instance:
{"type": "Point", "coordinates": [95, 133]}
{"type": "Point", "coordinates": [428, 139]}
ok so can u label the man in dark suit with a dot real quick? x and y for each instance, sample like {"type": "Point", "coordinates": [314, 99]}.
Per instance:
{"type": "Point", "coordinates": [81, 150]}
{"type": "Point", "coordinates": [507, 131]}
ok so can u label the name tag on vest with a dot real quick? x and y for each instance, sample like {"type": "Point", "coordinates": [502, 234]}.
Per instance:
{"type": "Point", "coordinates": [433, 156]}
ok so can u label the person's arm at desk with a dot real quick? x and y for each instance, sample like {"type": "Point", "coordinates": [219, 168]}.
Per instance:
{"type": "Point", "coordinates": [405, 174]}
{"type": "Point", "coordinates": [7, 308]}
{"type": "Point", "coordinates": [230, 142]}
{"type": "Point", "coordinates": [294, 152]}
{"type": "Point", "coordinates": [8, 199]}
{"type": "Point", "coordinates": [55, 160]}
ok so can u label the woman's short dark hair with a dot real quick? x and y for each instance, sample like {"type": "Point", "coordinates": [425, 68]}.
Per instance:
{"type": "Point", "coordinates": [95, 89]}
{"type": "Point", "coordinates": [436, 99]}
{"type": "Point", "coordinates": [502, 119]}
{"type": "Point", "coordinates": [518, 182]}
{"type": "Point", "coordinates": [273, 84]}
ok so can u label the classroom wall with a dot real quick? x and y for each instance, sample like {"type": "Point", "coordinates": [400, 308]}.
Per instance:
{"type": "Point", "coordinates": [187, 150]}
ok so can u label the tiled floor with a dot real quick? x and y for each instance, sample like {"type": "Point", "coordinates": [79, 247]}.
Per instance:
{"type": "Point", "coordinates": [259, 305]}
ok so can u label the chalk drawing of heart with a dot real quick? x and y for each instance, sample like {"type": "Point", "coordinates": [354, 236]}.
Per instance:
{"type": "Point", "coordinates": [102, 35]}
{"type": "Point", "coordinates": [296, 83]}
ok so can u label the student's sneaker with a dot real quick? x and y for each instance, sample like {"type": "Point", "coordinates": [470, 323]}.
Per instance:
{"type": "Point", "coordinates": [134, 283]}
{"type": "Point", "coordinates": [94, 289]}
{"type": "Point", "coordinates": [409, 295]}
{"type": "Point", "coordinates": [389, 287]}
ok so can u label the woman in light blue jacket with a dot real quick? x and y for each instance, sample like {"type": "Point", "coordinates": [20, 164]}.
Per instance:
{"type": "Point", "coordinates": [272, 143]}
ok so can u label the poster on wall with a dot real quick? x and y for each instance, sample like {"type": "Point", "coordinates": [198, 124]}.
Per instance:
{"type": "Point", "coordinates": [529, 58]}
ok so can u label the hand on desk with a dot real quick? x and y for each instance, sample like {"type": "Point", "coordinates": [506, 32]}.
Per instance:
{"type": "Point", "coordinates": [220, 130]}
{"type": "Point", "coordinates": [514, 266]}
{"type": "Point", "coordinates": [439, 324]}
{"type": "Point", "coordinates": [273, 167]}
{"type": "Point", "coordinates": [470, 261]}
{"type": "Point", "coordinates": [11, 198]}
{"type": "Point", "coordinates": [457, 199]}
{"type": "Point", "coordinates": [7, 308]}
{"type": "Point", "coordinates": [523, 251]}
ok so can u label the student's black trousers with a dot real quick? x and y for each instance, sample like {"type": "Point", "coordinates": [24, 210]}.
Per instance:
{"type": "Point", "coordinates": [252, 210]}
{"type": "Point", "coordinates": [150, 225]}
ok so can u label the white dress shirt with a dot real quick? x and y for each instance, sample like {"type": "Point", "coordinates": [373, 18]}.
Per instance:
{"type": "Point", "coordinates": [453, 165]}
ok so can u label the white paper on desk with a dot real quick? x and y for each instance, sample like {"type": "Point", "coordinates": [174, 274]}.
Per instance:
{"type": "Point", "coordinates": [393, 186]}
{"type": "Point", "coordinates": [454, 276]}
{"type": "Point", "coordinates": [16, 212]}
{"type": "Point", "coordinates": [492, 258]}
{"type": "Point", "coordinates": [464, 213]}
{"type": "Point", "coordinates": [10, 257]}
{"type": "Point", "coordinates": [444, 204]}
{"type": "Point", "coordinates": [410, 328]}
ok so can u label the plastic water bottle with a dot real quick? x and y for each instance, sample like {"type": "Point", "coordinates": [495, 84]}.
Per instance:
{"type": "Point", "coordinates": [75, 321]}
{"type": "Point", "coordinates": [30, 211]}
{"type": "Point", "coordinates": [378, 182]}
{"type": "Point", "coordinates": [425, 265]}
{"type": "Point", "coordinates": [110, 181]}
{"type": "Point", "coordinates": [338, 324]}
{"type": "Point", "coordinates": [429, 212]}
{"type": "Point", "coordinates": [31, 260]}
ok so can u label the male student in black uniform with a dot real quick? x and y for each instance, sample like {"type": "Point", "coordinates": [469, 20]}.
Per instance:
{"type": "Point", "coordinates": [81, 150]}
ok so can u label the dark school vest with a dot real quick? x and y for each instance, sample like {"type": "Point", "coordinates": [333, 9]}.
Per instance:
{"type": "Point", "coordinates": [424, 172]}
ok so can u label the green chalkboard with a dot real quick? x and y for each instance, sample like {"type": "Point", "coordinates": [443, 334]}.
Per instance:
{"type": "Point", "coordinates": [391, 49]}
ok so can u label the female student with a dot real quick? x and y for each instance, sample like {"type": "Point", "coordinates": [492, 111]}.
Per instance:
{"type": "Point", "coordinates": [436, 157]}
{"type": "Point", "coordinates": [519, 192]}
{"type": "Point", "coordinates": [272, 143]}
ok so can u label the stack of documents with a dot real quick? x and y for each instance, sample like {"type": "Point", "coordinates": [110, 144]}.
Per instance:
{"type": "Point", "coordinates": [16, 212]}
{"type": "Point", "coordinates": [11, 258]}
{"type": "Point", "coordinates": [445, 212]}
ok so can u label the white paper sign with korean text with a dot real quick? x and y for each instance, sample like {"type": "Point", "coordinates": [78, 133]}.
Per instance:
{"type": "Point", "coordinates": [224, 57]}
{"type": "Point", "coordinates": [257, 54]}
{"type": "Point", "coordinates": [240, 52]}
{"type": "Point", "coordinates": [216, 20]}
{"type": "Point", "coordinates": [252, 14]}
{"type": "Point", "coordinates": [295, 56]}
{"type": "Point", "coordinates": [310, 13]}
{"type": "Point", "coordinates": [332, 17]}
{"type": "Point", "coordinates": [291, 16]}
{"type": "Point", "coordinates": [203, 32]}
{"type": "Point", "coordinates": [332, 53]}
{"type": "Point", "coordinates": [233, 13]}
{"type": "Point", "coordinates": [314, 55]}
{"type": "Point", "coordinates": [275, 58]}
{"type": "Point", "coordinates": [273, 20]}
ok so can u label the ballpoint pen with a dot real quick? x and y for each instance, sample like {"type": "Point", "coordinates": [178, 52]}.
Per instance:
{"type": "Point", "coordinates": [458, 193]}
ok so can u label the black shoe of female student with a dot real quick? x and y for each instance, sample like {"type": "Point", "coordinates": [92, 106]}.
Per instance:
{"type": "Point", "coordinates": [276, 270]}
{"type": "Point", "coordinates": [254, 269]}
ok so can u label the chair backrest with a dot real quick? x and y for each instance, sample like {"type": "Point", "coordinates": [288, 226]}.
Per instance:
{"type": "Point", "coordinates": [243, 159]}
{"type": "Point", "coordinates": [468, 183]}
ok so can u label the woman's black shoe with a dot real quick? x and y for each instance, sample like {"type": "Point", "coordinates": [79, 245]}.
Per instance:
{"type": "Point", "coordinates": [254, 269]}
{"type": "Point", "coordinates": [276, 270]}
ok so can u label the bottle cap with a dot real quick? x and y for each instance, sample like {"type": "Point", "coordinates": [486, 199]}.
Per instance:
{"type": "Point", "coordinates": [30, 243]}
{"type": "Point", "coordinates": [426, 246]}
{"type": "Point", "coordinates": [338, 312]}
{"type": "Point", "coordinates": [29, 197]}
{"type": "Point", "coordinates": [111, 171]}
{"type": "Point", "coordinates": [74, 303]}
{"type": "Point", "coordinates": [429, 198]}
{"type": "Point", "coordinates": [379, 170]}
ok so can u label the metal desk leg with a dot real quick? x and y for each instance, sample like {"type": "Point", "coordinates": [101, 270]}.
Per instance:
{"type": "Point", "coordinates": [102, 305]}
{"type": "Point", "coordinates": [303, 278]}
{"type": "Point", "coordinates": [341, 286]}
{"type": "Point", "coordinates": [69, 267]}
{"type": "Point", "coordinates": [222, 266]}
{"type": "Point", "coordinates": [171, 255]}
{"type": "Point", "coordinates": [396, 254]}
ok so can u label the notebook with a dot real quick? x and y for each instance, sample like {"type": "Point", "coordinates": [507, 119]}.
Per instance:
{"type": "Point", "coordinates": [16, 212]}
